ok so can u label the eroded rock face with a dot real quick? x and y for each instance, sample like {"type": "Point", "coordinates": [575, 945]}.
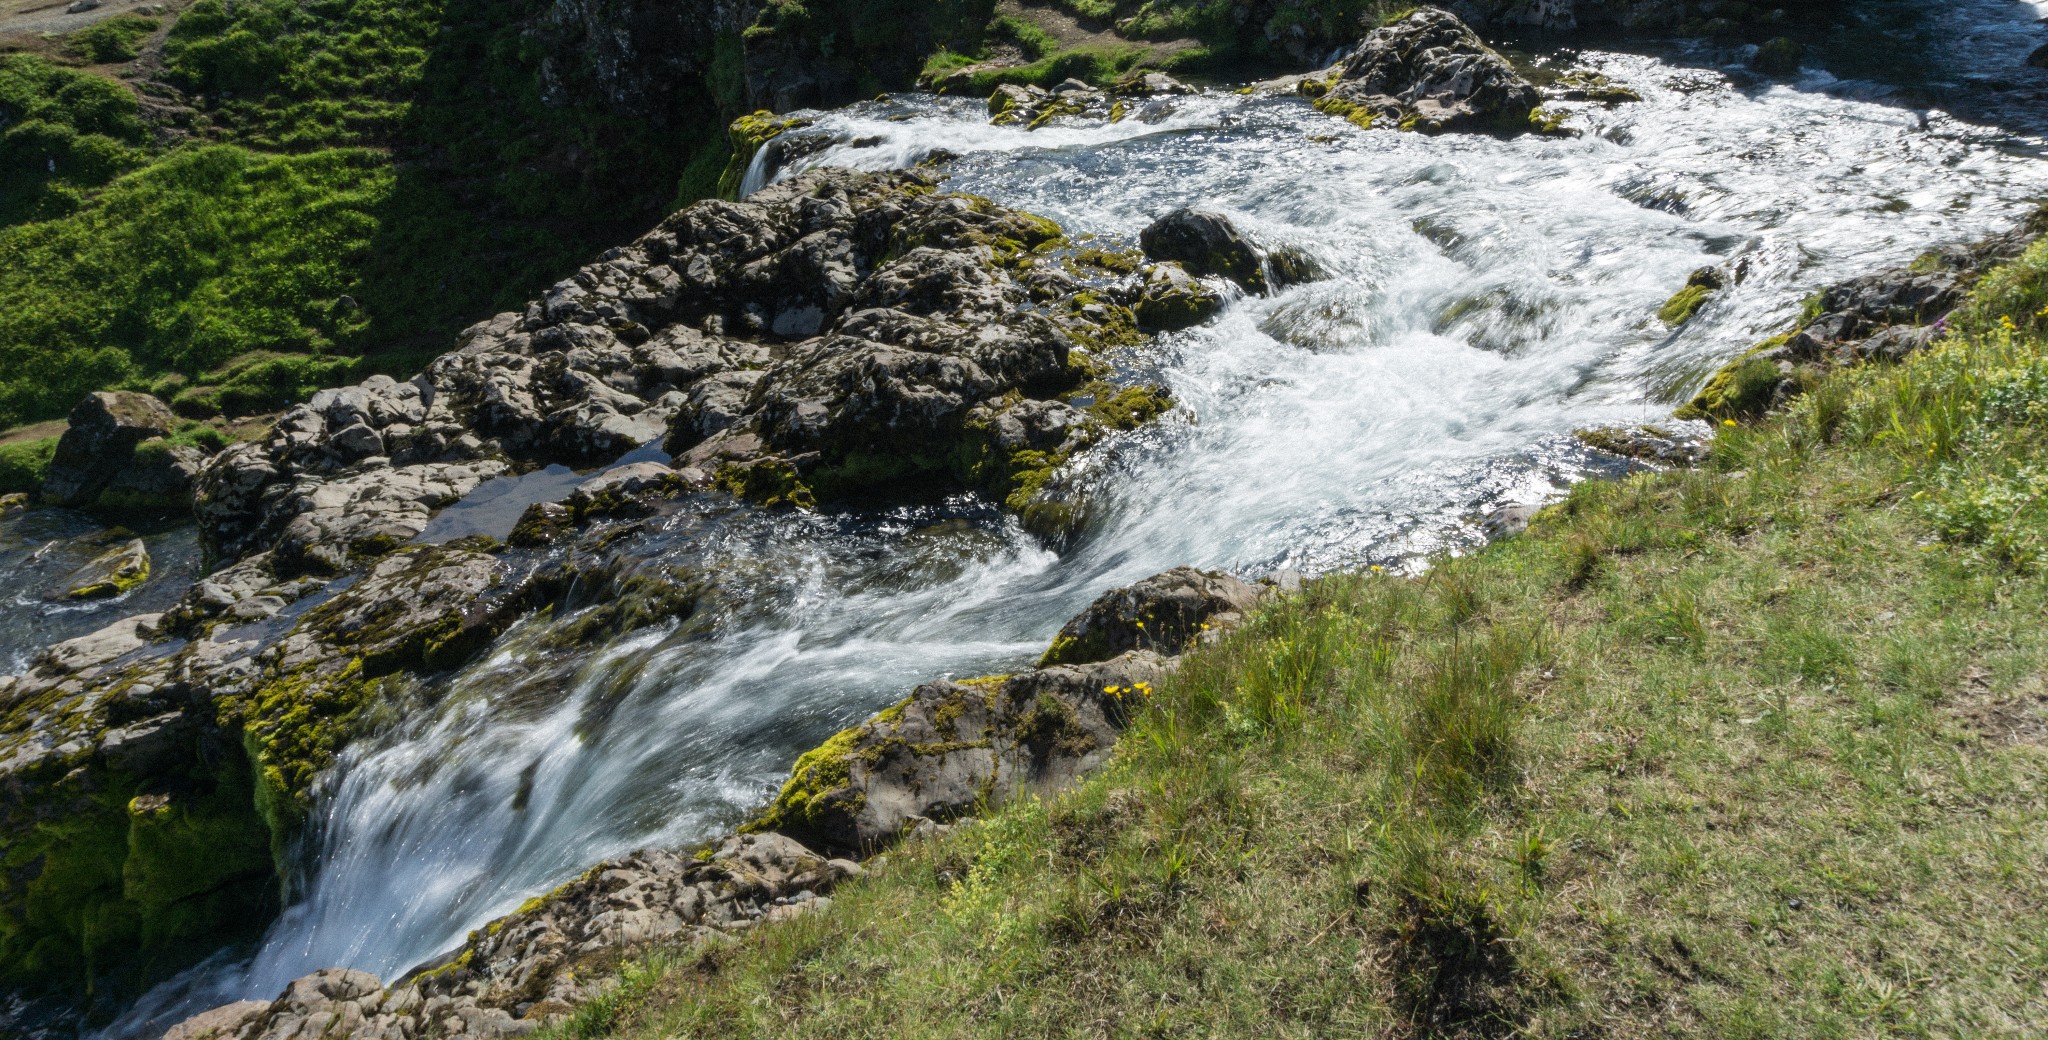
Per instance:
{"type": "Point", "coordinates": [143, 780]}
{"type": "Point", "coordinates": [1428, 71]}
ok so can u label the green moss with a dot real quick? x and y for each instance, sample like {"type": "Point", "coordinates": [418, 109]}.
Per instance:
{"type": "Point", "coordinates": [1742, 389]}
{"type": "Point", "coordinates": [1549, 122]}
{"type": "Point", "coordinates": [819, 775]}
{"type": "Point", "coordinates": [768, 483]}
{"type": "Point", "coordinates": [121, 882]}
{"type": "Point", "coordinates": [1358, 115]}
{"type": "Point", "coordinates": [120, 573]}
{"type": "Point", "coordinates": [1680, 308]}
{"type": "Point", "coordinates": [747, 134]}
{"type": "Point", "coordinates": [1131, 407]}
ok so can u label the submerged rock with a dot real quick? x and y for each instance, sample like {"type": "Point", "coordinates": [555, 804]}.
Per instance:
{"type": "Point", "coordinates": [1428, 71]}
{"type": "Point", "coordinates": [1778, 57]}
{"type": "Point", "coordinates": [1687, 301]}
{"type": "Point", "coordinates": [1174, 299]}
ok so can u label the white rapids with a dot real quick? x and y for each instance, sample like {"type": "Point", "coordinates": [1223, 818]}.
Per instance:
{"type": "Point", "coordinates": [1485, 298]}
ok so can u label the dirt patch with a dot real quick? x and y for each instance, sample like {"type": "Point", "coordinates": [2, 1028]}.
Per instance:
{"type": "Point", "coordinates": [24, 22]}
{"type": "Point", "coordinates": [2010, 716]}
{"type": "Point", "coordinates": [34, 432]}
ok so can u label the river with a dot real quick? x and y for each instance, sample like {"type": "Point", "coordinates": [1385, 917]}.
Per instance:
{"type": "Point", "coordinates": [1485, 298]}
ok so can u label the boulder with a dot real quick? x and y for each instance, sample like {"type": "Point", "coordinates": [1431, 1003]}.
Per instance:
{"type": "Point", "coordinates": [1778, 57]}
{"type": "Point", "coordinates": [110, 574]}
{"type": "Point", "coordinates": [951, 747]}
{"type": "Point", "coordinates": [1164, 613]}
{"type": "Point", "coordinates": [1428, 71]}
{"type": "Point", "coordinates": [1173, 299]}
{"type": "Point", "coordinates": [1205, 243]}
{"type": "Point", "coordinates": [105, 429]}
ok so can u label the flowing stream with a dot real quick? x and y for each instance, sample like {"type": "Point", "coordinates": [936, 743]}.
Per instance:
{"type": "Point", "coordinates": [1485, 297]}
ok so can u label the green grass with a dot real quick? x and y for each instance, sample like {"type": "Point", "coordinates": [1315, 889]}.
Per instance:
{"type": "Point", "coordinates": [116, 39]}
{"type": "Point", "coordinates": [362, 180]}
{"type": "Point", "coordinates": [1754, 750]}
{"type": "Point", "coordinates": [22, 464]}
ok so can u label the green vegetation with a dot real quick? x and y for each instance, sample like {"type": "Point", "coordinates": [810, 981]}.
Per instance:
{"type": "Point", "coordinates": [359, 181]}
{"type": "Point", "coordinates": [1757, 749]}
{"type": "Point", "coordinates": [62, 133]}
{"type": "Point", "coordinates": [22, 464]}
{"type": "Point", "coordinates": [116, 39]}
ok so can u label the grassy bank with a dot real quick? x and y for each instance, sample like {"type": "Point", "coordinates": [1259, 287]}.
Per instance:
{"type": "Point", "coordinates": [287, 196]}
{"type": "Point", "coordinates": [1759, 749]}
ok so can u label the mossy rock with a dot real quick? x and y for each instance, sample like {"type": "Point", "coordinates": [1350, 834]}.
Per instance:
{"type": "Point", "coordinates": [1742, 389]}
{"type": "Point", "coordinates": [112, 573]}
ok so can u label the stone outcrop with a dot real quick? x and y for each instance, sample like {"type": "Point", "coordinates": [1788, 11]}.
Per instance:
{"type": "Point", "coordinates": [782, 345]}
{"type": "Point", "coordinates": [1428, 71]}
{"type": "Point", "coordinates": [1882, 317]}
{"type": "Point", "coordinates": [145, 781]}
{"type": "Point", "coordinates": [105, 429]}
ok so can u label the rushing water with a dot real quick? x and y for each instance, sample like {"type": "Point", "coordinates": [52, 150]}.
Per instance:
{"type": "Point", "coordinates": [1485, 298]}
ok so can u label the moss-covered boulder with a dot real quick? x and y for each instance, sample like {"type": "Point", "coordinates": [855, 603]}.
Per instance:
{"type": "Point", "coordinates": [112, 573]}
{"type": "Point", "coordinates": [951, 747]}
{"type": "Point", "coordinates": [1427, 71]}
{"type": "Point", "coordinates": [1687, 301]}
{"type": "Point", "coordinates": [1164, 613]}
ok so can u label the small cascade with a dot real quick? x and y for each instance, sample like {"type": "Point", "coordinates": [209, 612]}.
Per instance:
{"type": "Point", "coordinates": [1484, 298]}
